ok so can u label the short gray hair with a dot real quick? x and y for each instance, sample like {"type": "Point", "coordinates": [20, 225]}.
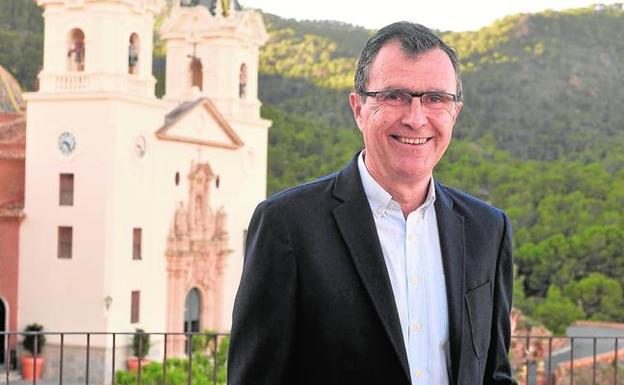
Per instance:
{"type": "Point", "coordinates": [414, 38]}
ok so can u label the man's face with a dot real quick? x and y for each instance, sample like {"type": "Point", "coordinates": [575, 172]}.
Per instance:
{"type": "Point", "coordinates": [404, 143]}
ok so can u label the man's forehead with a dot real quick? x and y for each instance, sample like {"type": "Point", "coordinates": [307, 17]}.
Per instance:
{"type": "Point", "coordinates": [393, 65]}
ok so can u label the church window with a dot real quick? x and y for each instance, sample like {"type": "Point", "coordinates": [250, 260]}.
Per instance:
{"type": "Point", "coordinates": [177, 178]}
{"type": "Point", "coordinates": [242, 81]}
{"type": "Point", "coordinates": [66, 190]}
{"type": "Point", "coordinates": [133, 54]}
{"type": "Point", "coordinates": [135, 306]}
{"type": "Point", "coordinates": [197, 75]}
{"type": "Point", "coordinates": [65, 235]}
{"type": "Point", "coordinates": [76, 50]}
{"type": "Point", "coordinates": [217, 181]}
{"type": "Point", "coordinates": [137, 234]}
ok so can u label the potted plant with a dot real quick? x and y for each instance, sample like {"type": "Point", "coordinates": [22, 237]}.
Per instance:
{"type": "Point", "coordinates": [32, 362]}
{"type": "Point", "coordinates": [140, 349]}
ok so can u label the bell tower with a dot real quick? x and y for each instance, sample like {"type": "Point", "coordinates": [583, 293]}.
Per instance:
{"type": "Point", "coordinates": [213, 46]}
{"type": "Point", "coordinates": [89, 142]}
{"type": "Point", "coordinates": [98, 46]}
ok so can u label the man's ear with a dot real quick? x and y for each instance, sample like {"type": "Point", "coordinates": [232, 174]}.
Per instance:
{"type": "Point", "coordinates": [355, 101]}
{"type": "Point", "coordinates": [458, 107]}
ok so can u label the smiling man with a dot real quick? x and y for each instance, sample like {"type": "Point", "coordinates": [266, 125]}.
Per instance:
{"type": "Point", "coordinates": [378, 274]}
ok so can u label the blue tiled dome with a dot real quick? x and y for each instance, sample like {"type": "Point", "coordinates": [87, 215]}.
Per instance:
{"type": "Point", "coordinates": [11, 101]}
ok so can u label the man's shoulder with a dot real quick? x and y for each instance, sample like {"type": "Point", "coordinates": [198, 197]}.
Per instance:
{"type": "Point", "coordinates": [469, 205]}
{"type": "Point", "coordinates": [309, 193]}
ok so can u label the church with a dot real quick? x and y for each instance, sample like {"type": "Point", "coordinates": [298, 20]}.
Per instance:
{"type": "Point", "coordinates": [133, 208]}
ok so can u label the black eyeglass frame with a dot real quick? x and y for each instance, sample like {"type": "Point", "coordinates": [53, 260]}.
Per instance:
{"type": "Point", "coordinates": [456, 98]}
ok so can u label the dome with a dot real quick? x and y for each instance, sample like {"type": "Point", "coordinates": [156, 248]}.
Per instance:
{"type": "Point", "coordinates": [11, 101]}
{"type": "Point", "coordinates": [210, 4]}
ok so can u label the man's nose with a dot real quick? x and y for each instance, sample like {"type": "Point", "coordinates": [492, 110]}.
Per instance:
{"type": "Point", "coordinates": [415, 115]}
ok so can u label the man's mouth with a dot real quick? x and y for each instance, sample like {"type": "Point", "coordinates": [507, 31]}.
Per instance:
{"type": "Point", "coordinates": [410, 140]}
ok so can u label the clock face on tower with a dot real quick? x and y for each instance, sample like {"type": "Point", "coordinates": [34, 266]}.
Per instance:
{"type": "Point", "coordinates": [66, 143]}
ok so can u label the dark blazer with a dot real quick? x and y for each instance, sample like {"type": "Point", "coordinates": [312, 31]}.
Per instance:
{"type": "Point", "coordinates": [315, 305]}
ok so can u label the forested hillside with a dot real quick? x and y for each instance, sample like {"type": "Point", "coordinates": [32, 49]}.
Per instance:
{"type": "Point", "coordinates": [540, 135]}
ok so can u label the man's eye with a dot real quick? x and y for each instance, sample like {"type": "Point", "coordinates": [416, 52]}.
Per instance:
{"type": "Point", "coordinates": [435, 98]}
{"type": "Point", "coordinates": [395, 96]}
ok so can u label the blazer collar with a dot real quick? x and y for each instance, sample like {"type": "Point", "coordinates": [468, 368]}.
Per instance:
{"type": "Point", "coordinates": [357, 227]}
{"type": "Point", "coordinates": [451, 232]}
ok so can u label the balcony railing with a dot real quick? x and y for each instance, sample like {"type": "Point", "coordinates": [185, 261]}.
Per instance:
{"type": "Point", "coordinates": [81, 82]}
{"type": "Point", "coordinates": [98, 359]}
{"type": "Point", "coordinates": [74, 358]}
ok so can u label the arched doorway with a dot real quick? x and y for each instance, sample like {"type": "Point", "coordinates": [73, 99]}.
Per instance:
{"type": "Point", "coordinates": [2, 329]}
{"type": "Point", "coordinates": [192, 310]}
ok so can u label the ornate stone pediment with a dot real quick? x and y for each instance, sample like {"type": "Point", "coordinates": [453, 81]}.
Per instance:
{"type": "Point", "coordinates": [196, 23]}
{"type": "Point", "coordinates": [252, 28]}
{"type": "Point", "coordinates": [183, 22]}
{"type": "Point", "coordinates": [199, 122]}
{"type": "Point", "coordinates": [197, 229]}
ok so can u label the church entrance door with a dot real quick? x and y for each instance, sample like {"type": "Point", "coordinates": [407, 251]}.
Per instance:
{"type": "Point", "coordinates": [192, 310]}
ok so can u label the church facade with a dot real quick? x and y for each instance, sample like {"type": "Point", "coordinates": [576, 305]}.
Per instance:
{"type": "Point", "coordinates": [135, 208]}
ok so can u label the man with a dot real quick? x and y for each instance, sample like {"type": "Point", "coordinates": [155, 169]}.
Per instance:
{"type": "Point", "coordinates": [378, 274]}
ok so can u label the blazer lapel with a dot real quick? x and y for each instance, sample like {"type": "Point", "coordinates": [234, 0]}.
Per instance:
{"type": "Point", "coordinates": [451, 232]}
{"type": "Point", "coordinates": [357, 227]}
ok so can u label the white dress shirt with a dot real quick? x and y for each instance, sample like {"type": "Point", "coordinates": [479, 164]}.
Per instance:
{"type": "Point", "coordinates": [411, 250]}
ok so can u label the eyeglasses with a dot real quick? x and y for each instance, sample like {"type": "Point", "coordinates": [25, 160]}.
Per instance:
{"type": "Point", "coordinates": [429, 100]}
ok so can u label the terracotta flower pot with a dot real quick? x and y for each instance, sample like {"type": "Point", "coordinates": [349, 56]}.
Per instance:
{"type": "Point", "coordinates": [28, 364]}
{"type": "Point", "coordinates": [133, 363]}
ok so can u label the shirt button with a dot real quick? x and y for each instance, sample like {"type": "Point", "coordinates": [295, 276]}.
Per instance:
{"type": "Point", "coordinates": [416, 327]}
{"type": "Point", "coordinates": [418, 373]}
{"type": "Point", "coordinates": [410, 237]}
{"type": "Point", "coordinates": [414, 280]}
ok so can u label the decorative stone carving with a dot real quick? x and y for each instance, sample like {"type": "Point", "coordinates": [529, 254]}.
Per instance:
{"type": "Point", "coordinates": [196, 256]}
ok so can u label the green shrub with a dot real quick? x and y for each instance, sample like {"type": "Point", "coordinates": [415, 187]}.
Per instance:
{"type": "Point", "coordinates": [140, 343]}
{"type": "Point", "coordinates": [177, 368]}
{"type": "Point", "coordinates": [29, 340]}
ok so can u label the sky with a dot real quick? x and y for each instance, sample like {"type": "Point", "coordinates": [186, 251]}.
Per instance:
{"type": "Point", "coordinates": [444, 15]}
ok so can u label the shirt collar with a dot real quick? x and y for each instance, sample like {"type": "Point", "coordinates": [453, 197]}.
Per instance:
{"type": "Point", "coordinates": [379, 199]}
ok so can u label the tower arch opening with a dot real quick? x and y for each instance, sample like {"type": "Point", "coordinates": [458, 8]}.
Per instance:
{"type": "Point", "coordinates": [197, 73]}
{"type": "Point", "coordinates": [242, 81]}
{"type": "Point", "coordinates": [133, 53]}
{"type": "Point", "coordinates": [76, 50]}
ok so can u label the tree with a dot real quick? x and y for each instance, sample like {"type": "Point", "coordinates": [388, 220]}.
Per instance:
{"type": "Point", "coordinates": [557, 312]}
{"type": "Point", "coordinates": [599, 296]}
